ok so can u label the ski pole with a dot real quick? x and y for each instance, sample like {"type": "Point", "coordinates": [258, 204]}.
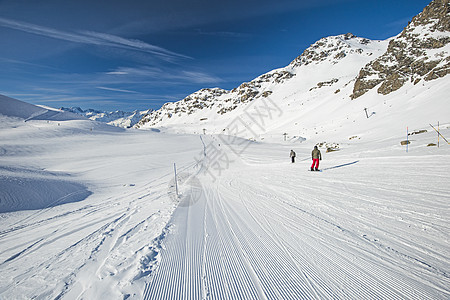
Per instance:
{"type": "Point", "coordinates": [176, 179]}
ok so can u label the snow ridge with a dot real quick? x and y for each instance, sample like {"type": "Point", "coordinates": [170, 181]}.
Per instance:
{"type": "Point", "coordinates": [18, 109]}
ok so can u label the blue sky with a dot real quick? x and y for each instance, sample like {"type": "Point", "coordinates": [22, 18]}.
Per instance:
{"type": "Point", "coordinates": [139, 54]}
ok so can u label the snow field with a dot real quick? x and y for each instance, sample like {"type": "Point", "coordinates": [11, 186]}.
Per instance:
{"type": "Point", "coordinates": [373, 224]}
{"type": "Point", "coordinates": [374, 227]}
{"type": "Point", "coordinates": [104, 245]}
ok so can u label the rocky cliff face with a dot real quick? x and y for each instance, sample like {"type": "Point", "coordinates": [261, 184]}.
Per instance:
{"type": "Point", "coordinates": [420, 52]}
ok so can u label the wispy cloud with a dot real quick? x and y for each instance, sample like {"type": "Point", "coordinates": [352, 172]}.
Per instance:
{"type": "Point", "coordinates": [116, 90]}
{"type": "Point", "coordinates": [133, 44]}
{"type": "Point", "coordinates": [159, 74]}
{"type": "Point", "coordinates": [93, 38]}
{"type": "Point", "coordinates": [138, 71]}
{"type": "Point", "coordinates": [199, 77]}
{"type": "Point", "coordinates": [24, 63]}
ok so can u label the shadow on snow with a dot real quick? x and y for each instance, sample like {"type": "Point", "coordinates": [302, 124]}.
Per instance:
{"type": "Point", "coordinates": [340, 166]}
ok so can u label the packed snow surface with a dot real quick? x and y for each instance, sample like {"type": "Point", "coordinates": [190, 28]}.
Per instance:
{"type": "Point", "coordinates": [90, 211]}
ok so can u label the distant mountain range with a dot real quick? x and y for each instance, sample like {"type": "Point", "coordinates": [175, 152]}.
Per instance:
{"type": "Point", "coordinates": [117, 118]}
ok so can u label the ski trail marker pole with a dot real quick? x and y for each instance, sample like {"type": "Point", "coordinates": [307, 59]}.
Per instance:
{"type": "Point", "coordinates": [438, 134]}
{"type": "Point", "coordinates": [407, 141]}
{"type": "Point", "coordinates": [176, 180]}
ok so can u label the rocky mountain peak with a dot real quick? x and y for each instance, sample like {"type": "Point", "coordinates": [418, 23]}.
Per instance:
{"type": "Point", "coordinates": [332, 48]}
{"type": "Point", "coordinates": [420, 52]}
{"type": "Point", "coordinates": [436, 15]}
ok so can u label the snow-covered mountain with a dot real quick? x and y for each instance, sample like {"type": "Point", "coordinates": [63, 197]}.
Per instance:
{"type": "Point", "coordinates": [338, 54]}
{"type": "Point", "coordinates": [116, 118]}
{"type": "Point", "coordinates": [337, 78]}
{"type": "Point", "coordinates": [420, 52]}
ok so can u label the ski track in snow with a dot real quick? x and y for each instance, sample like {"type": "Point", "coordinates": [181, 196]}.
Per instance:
{"type": "Point", "coordinates": [263, 229]}
{"type": "Point", "coordinates": [103, 246]}
{"type": "Point", "coordinates": [92, 251]}
{"type": "Point", "coordinates": [244, 239]}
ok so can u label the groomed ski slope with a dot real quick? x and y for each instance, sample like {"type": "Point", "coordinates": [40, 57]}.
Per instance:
{"type": "Point", "coordinates": [373, 224]}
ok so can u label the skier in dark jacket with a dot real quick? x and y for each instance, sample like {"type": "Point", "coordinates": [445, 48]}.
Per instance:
{"type": "Point", "coordinates": [316, 156]}
{"type": "Point", "coordinates": [292, 155]}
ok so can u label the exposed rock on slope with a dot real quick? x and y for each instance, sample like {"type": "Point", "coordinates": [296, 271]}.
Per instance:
{"type": "Point", "coordinates": [332, 69]}
{"type": "Point", "coordinates": [330, 50]}
{"type": "Point", "coordinates": [334, 48]}
{"type": "Point", "coordinates": [421, 51]}
{"type": "Point", "coordinates": [219, 100]}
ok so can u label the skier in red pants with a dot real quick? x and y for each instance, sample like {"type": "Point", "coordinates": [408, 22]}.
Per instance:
{"type": "Point", "coordinates": [316, 156]}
